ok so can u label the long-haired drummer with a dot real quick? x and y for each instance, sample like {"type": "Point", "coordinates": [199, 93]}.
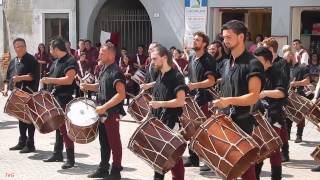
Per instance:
{"type": "Point", "coordinates": [275, 93]}
{"type": "Point", "coordinates": [169, 91]}
{"type": "Point", "coordinates": [61, 82]}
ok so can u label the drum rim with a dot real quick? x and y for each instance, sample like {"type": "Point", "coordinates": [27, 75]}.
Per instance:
{"type": "Point", "coordinates": [68, 107]}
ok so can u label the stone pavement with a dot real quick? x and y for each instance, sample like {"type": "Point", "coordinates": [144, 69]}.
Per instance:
{"type": "Point", "coordinates": [15, 166]}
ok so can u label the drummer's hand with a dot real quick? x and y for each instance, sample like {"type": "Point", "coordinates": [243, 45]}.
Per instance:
{"type": "Point", "coordinates": [155, 104]}
{"type": "Point", "coordinates": [4, 93]}
{"type": "Point", "coordinates": [293, 84]}
{"type": "Point", "coordinates": [145, 86]}
{"type": "Point", "coordinates": [221, 103]}
{"type": "Point", "coordinates": [262, 95]}
{"type": "Point", "coordinates": [100, 110]}
{"type": "Point", "coordinates": [84, 86]}
{"type": "Point", "coordinates": [314, 101]}
{"type": "Point", "coordinates": [45, 80]}
{"type": "Point", "coordinates": [16, 79]}
{"type": "Point", "coordinates": [191, 86]}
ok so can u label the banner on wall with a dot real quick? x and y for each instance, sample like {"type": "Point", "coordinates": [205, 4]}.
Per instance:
{"type": "Point", "coordinates": [196, 12]}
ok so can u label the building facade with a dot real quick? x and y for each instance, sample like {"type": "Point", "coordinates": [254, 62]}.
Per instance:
{"type": "Point", "coordinates": [141, 22]}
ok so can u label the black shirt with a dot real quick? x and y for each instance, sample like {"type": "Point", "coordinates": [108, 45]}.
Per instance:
{"type": "Point", "coordinates": [109, 76]}
{"type": "Point", "coordinates": [28, 65]}
{"type": "Point", "coordinates": [274, 82]}
{"type": "Point", "coordinates": [284, 68]}
{"type": "Point", "coordinates": [59, 69]}
{"type": "Point", "coordinates": [198, 70]}
{"type": "Point", "coordinates": [299, 72]}
{"type": "Point", "coordinates": [236, 83]}
{"type": "Point", "coordinates": [165, 89]}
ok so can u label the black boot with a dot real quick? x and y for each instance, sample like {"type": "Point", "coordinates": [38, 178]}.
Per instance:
{"type": "Point", "coordinates": [316, 169]}
{"type": "Point", "coordinates": [114, 174]}
{"type": "Point", "coordinates": [101, 172]}
{"type": "Point", "coordinates": [29, 147]}
{"type": "Point", "coordinates": [276, 172]}
{"type": "Point", "coordinates": [70, 159]}
{"type": "Point", "coordinates": [57, 151]}
{"type": "Point", "coordinates": [192, 161]}
{"type": "Point", "coordinates": [299, 135]}
{"type": "Point", "coordinates": [21, 144]}
{"type": "Point", "coordinates": [158, 176]}
{"type": "Point", "coordinates": [285, 152]}
{"type": "Point", "coordinates": [205, 168]}
{"type": "Point", "coordinates": [258, 170]}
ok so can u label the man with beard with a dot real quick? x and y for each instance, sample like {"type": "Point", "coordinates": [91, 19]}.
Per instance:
{"type": "Point", "coordinates": [202, 75]}
{"type": "Point", "coordinates": [242, 82]}
{"type": "Point", "coordinates": [216, 50]}
{"type": "Point", "coordinates": [169, 91]}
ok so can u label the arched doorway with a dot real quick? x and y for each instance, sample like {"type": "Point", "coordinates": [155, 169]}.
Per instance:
{"type": "Point", "coordinates": [127, 18]}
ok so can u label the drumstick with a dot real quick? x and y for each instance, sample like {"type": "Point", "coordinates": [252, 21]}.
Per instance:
{"type": "Point", "coordinates": [130, 121]}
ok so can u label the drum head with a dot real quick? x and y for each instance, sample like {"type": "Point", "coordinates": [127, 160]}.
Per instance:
{"type": "Point", "coordinates": [82, 112]}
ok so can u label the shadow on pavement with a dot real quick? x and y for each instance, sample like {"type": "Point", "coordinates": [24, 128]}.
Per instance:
{"type": "Point", "coordinates": [310, 143]}
{"type": "Point", "coordinates": [268, 174]}
{"type": "Point", "coordinates": [8, 124]}
{"type": "Point", "coordinates": [40, 155]}
{"type": "Point", "coordinates": [300, 164]}
{"type": "Point", "coordinates": [79, 169]}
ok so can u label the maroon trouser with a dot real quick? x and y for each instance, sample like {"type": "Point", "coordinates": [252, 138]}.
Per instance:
{"type": "Point", "coordinates": [205, 110]}
{"type": "Point", "coordinates": [177, 172]}
{"type": "Point", "coordinates": [275, 158]}
{"type": "Point", "coordinates": [301, 124]}
{"type": "Point", "coordinates": [250, 174]}
{"type": "Point", "coordinates": [112, 126]}
{"type": "Point", "coordinates": [67, 141]}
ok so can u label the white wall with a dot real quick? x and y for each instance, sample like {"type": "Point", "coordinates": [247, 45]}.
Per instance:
{"type": "Point", "coordinates": [281, 12]}
{"type": "Point", "coordinates": [31, 25]}
{"type": "Point", "coordinates": [167, 29]}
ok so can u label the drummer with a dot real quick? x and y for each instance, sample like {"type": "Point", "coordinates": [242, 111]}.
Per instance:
{"type": "Point", "coordinates": [169, 91]}
{"type": "Point", "coordinates": [315, 98]}
{"type": "Point", "coordinates": [61, 82]}
{"type": "Point", "coordinates": [242, 82]}
{"type": "Point", "coordinates": [24, 73]}
{"type": "Point", "coordinates": [275, 93]}
{"type": "Point", "coordinates": [202, 74]}
{"type": "Point", "coordinates": [299, 77]}
{"type": "Point", "coordinates": [111, 94]}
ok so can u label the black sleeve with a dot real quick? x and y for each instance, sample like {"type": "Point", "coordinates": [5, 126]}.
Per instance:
{"type": "Point", "coordinates": [256, 69]}
{"type": "Point", "coordinates": [119, 77]}
{"type": "Point", "coordinates": [180, 84]}
{"type": "Point", "coordinates": [10, 71]}
{"type": "Point", "coordinates": [210, 67]}
{"type": "Point", "coordinates": [281, 82]}
{"type": "Point", "coordinates": [305, 72]}
{"type": "Point", "coordinates": [34, 68]}
{"type": "Point", "coordinates": [71, 64]}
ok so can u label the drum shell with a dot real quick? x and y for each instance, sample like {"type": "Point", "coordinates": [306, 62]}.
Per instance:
{"type": "Point", "coordinates": [153, 137]}
{"type": "Point", "coordinates": [46, 113]}
{"type": "Point", "coordinates": [298, 107]}
{"type": "Point", "coordinates": [139, 107]}
{"type": "Point", "coordinates": [266, 137]}
{"type": "Point", "coordinates": [211, 143]}
{"type": "Point", "coordinates": [314, 115]}
{"type": "Point", "coordinates": [16, 105]}
{"type": "Point", "coordinates": [316, 154]}
{"type": "Point", "coordinates": [81, 134]}
{"type": "Point", "coordinates": [191, 118]}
